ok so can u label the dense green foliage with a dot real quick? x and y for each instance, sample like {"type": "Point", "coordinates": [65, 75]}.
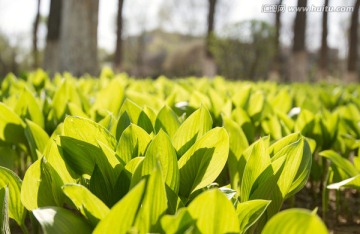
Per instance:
{"type": "Point", "coordinates": [118, 155]}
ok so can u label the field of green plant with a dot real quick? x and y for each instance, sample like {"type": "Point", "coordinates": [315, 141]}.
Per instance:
{"type": "Point", "coordinates": [115, 154]}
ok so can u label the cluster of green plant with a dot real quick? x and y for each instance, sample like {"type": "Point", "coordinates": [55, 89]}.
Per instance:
{"type": "Point", "coordinates": [115, 154]}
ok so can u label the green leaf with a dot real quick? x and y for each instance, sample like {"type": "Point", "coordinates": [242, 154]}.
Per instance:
{"type": "Point", "coordinates": [281, 143]}
{"type": "Point", "coordinates": [132, 110]}
{"type": "Point", "coordinates": [295, 221]}
{"type": "Point", "coordinates": [177, 224]}
{"type": "Point", "coordinates": [4, 210]}
{"type": "Point", "coordinates": [161, 150]}
{"type": "Point", "coordinates": [242, 118]}
{"type": "Point", "coordinates": [54, 157]}
{"type": "Point", "coordinates": [11, 126]}
{"type": "Point", "coordinates": [133, 143]}
{"type": "Point", "coordinates": [217, 103]}
{"type": "Point", "coordinates": [297, 167]}
{"type": "Point", "coordinates": [88, 131]}
{"type": "Point", "coordinates": [12, 181]}
{"type": "Point", "coordinates": [249, 212]}
{"type": "Point", "coordinates": [35, 188]}
{"type": "Point", "coordinates": [305, 122]}
{"type": "Point", "coordinates": [212, 208]}
{"type": "Point", "coordinates": [57, 220]}
{"type": "Point", "coordinates": [258, 161]}
{"type": "Point", "coordinates": [340, 162]}
{"type": "Point", "coordinates": [37, 139]}
{"type": "Point", "coordinates": [110, 98]}
{"type": "Point", "coordinates": [122, 215]}
{"type": "Point", "coordinates": [82, 157]}
{"type": "Point", "coordinates": [194, 127]}
{"type": "Point", "coordinates": [141, 208]}
{"type": "Point", "coordinates": [204, 161]}
{"type": "Point", "coordinates": [28, 107]}
{"type": "Point", "coordinates": [353, 182]}
{"type": "Point", "coordinates": [66, 93]}
{"type": "Point", "coordinates": [168, 121]}
{"type": "Point", "coordinates": [145, 122]}
{"type": "Point", "coordinates": [154, 203]}
{"type": "Point", "coordinates": [256, 105]}
{"type": "Point", "coordinates": [89, 205]}
{"type": "Point", "coordinates": [238, 143]}
{"type": "Point", "coordinates": [76, 110]}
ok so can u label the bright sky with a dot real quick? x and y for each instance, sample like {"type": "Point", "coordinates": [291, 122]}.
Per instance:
{"type": "Point", "coordinates": [17, 16]}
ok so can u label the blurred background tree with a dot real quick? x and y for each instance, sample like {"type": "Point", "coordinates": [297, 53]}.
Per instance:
{"type": "Point", "coordinates": [184, 38]}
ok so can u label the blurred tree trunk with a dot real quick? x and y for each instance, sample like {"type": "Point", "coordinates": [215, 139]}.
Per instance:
{"type": "Point", "coordinates": [51, 53]}
{"type": "Point", "coordinates": [352, 75]}
{"type": "Point", "coordinates": [78, 37]}
{"type": "Point", "coordinates": [35, 37]}
{"type": "Point", "coordinates": [275, 70]}
{"type": "Point", "coordinates": [209, 66]}
{"type": "Point", "coordinates": [119, 50]}
{"type": "Point", "coordinates": [323, 62]}
{"type": "Point", "coordinates": [298, 68]}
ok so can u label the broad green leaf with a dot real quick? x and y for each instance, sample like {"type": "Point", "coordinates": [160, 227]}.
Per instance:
{"type": "Point", "coordinates": [154, 203]}
{"type": "Point", "coordinates": [132, 110]}
{"type": "Point", "coordinates": [37, 139]}
{"type": "Point", "coordinates": [249, 212]}
{"type": "Point", "coordinates": [12, 181]}
{"type": "Point", "coordinates": [281, 143]}
{"type": "Point", "coordinates": [161, 150]}
{"type": "Point", "coordinates": [66, 93]}
{"type": "Point", "coordinates": [192, 129]}
{"type": "Point", "coordinates": [151, 114]}
{"type": "Point", "coordinates": [340, 162]}
{"type": "Point", "coordinates": [76, 110]}
{"type": "Point", "coordinates": [101, 187]}
{"type": "Point", "coordinates": [140, 209]}
{"type": "Point", "coordinates": [204, 161]}
{"type": "Point", "coordinates": [57, 220]}
{"type": "Point", "coordinates": [145, 122]}
{"type": "Point", "coordinates": [297, 167]}
{"type": "Point", "coordinates": [256, 164]}
{"type": "Point", "coordinates": [177, 224]}
{"type": "Point", "coordinates": [82, 157]}
{"type": "Point", "coordinates": [217, 103]}
{"type": "Point", "coordinates": [11, 126]}
{"type": "Point", "coordinates": [54, 157]}
{"type": "Point", "coordinates": [282, 101]}
{"type": "Point", "coordinates": [88, 131]}
{"type": "Point", "coordinates": [28, 107]}
{"type": "Point", "coordinates": [295, 221]}
{"type": "Point", "coordinates": [353, 182]}
{"type": "Point", "coordinates": [133, 143]}
{"type": "Point", "coordinates": [4, 210]}
{"type": "Point", "coordinates": [110, 98]}
{"type": "Point", "coordinates": [109, 122]}
{"type": "Point", "coordinates": [133, 164]}
{"type": "Point", "coordinates": [242, 118]}
{"type": "Point", "coordinates": [272, 126]}
{"type": "Point", "coordinates": [122, 215]}
{"type": "Point", "coordinates": [212, 208]}
{"type": "Point", "coordinates": [256, 105]}
{"type": "Point", "coordinates": [238, 143]}
{"type": "Point", "coordinates": [88, 204]}
{"type": "Point", "coordinates": [35, 188]}
{"type": "Point", "coordinates": [241, 97]}
{"type": "Point", "coordinates": [305, 122]}
{"type": "Point", "coordinates": [167, 120]}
